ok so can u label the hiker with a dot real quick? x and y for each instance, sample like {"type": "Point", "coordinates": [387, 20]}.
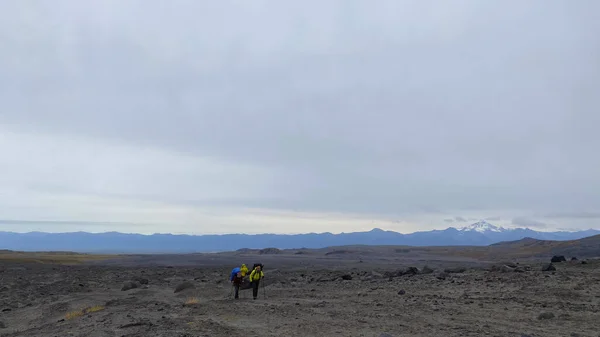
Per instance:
{"type": "Point", "coordinates": [237, 281]}
{"type": "Point", "coordinates": [244, 270]}
{"type": "Point", "coordinates": [255, 278]}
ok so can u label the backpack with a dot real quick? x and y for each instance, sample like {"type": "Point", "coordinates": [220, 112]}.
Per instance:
{"type": "Point", "coordinates": [234, 271]}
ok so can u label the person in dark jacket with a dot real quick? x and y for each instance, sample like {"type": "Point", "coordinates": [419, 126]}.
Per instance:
{"type": "Point", "coordinates": [236, 281]}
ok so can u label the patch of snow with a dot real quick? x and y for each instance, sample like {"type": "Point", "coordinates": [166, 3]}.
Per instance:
{"type": "Point", "coordinates": [483, 227]}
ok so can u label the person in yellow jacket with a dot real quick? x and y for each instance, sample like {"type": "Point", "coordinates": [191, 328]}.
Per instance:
{"type": "Point", "coordinates": [244, 270]}
{"type": "Point", "coordinates": [255, 276]}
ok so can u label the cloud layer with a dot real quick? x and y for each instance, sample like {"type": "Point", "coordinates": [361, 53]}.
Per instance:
{"type": "Point", "coordinates": [401, 115]}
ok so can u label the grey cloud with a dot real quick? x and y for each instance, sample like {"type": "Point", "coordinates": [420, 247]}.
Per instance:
{"type": "Point", "coordinates": [460, 219]}
{"type": "Point", "coordinates": [570, 229]}
{"type": "Point", "coordinates": [398, 107]}
{"type": "Point", "coordinates": [574, 215]}
{"type": "Point", "coordinates": [528, 223]}
{"type": "Point", "coordinates": [52, 223]}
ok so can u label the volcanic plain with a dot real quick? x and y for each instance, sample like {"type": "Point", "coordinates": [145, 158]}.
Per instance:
{"type": "Point", "coordinates": [508, 289]}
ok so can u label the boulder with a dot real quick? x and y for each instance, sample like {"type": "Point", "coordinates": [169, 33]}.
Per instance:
{"type": "Point", "coordinates": [549, 267]}
{"type": "Point", "coordinates": [183, 286]}
{"type": "Point", "coordinates": [347, 277]}
{"type": "Point", "coordinates": [442, 276]}
{"type": "Point", "coordinates": [558, 258]}
{"type": "Point", "coordinates": [426, 270]}
{"type": "Point", "coordinates": [455, 270]}
{"type": "Point", "coordinates": [129, 285]}
{"type": "Point", "coordinates": [140, 280]}
{"type": "Point", "coordinates": [327, 278]}
{"type": "Point", "coordinates": [411, 271]}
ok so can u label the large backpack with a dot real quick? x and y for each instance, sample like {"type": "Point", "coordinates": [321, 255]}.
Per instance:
{"type": "Point", "coordinates": [234, 271]}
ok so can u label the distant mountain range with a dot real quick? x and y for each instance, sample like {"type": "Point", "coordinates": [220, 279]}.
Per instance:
{"type": "Point", "coordinates": [480, 233]}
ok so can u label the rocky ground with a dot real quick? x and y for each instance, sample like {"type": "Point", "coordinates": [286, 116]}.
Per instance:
{"type": "Point", "coordinates": [310, 299]}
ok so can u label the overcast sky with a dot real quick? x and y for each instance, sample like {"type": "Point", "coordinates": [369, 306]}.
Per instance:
{"type": "Point", "coordinates": [280, 116]}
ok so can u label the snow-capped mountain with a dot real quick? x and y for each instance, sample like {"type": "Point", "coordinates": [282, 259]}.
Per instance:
{"type": "Point", "coordinates": [483, 227]}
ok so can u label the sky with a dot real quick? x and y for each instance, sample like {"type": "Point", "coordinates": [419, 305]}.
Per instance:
{"type": "Point", "coordinates": [298, 116]}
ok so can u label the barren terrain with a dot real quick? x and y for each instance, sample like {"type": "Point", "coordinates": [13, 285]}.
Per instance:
{"type": "Point", "coordinates": [343, 291]}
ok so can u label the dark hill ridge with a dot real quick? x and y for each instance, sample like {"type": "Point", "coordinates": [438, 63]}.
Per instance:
{"type": "Point", "coordinates": [479, 234]}
{"type": "Point", "coordinates": [584, 247]}
{"type": "Point", "coordinates": [525, 248]}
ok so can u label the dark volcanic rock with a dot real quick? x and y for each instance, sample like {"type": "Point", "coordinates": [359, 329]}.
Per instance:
{"type": "Point", "coordinates": [557, 258]}
{"type": "Point", "coordinates": [129, 286]}
{"type": "Point", "coordinates": [549, 267]}
{"type": "Point", "coordinates": [426, 270]}
{"type": "Point", "coordinates": [455, 270]}
{"type": "Point", "coordinates": [546, 315]}
{"type": "Point", "coordinates": [134, 324]}
{"type": "Point", "coordinates": [327, 278]}
{"type": "Point", "coordinates": [402, 292]}
{"type": "Point", "coordinates": [183, 286]}
{"type": "Point", "coordinates": [573, 258]}
{"type": "Point", "coordinates": [392, 274]}
{"type": "Point", "coordinates": [411, 271]}
{"type": "Point", "coordinates": [140, 280]}
{"type": "Point", "coordinates": [347, 277]}
{"type": "Point", "coordinates": [442, 276]}
{"type": "Point", "coordinates": [494, 268]}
